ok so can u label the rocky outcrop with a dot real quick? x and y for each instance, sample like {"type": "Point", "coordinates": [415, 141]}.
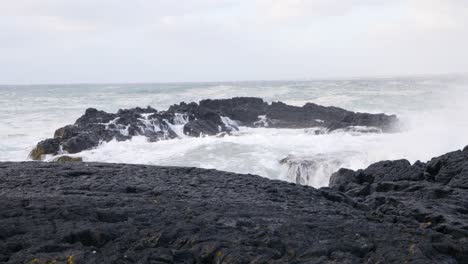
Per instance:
{"type": "Point", "coordinates": [391, 212]}
{"type": "Point", "coordinates": [430, 196]}
{"type": "Point", "coordinates": [209, 117]}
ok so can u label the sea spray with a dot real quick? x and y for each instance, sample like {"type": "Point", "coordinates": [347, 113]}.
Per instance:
{"type": "Point", "coordinates": [433, 110]}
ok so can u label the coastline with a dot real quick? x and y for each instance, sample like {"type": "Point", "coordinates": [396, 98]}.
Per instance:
{"type": "Point", "coordinates": [391, 212]}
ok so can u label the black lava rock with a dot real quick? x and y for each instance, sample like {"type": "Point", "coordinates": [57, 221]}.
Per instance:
{"type": "Point", "coordinates": [392, 212]}
{"type": "Point", "coordinates": [207, 118]}
{"type": "Point", "coordinates": [431, 196]}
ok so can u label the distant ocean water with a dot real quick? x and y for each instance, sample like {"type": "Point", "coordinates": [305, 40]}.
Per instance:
{"type": "Point", "coordinates": [434, 111]}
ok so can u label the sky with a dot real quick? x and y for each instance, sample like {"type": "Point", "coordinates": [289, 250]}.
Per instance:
{"type": "Point", "coordinates": [112, 41]}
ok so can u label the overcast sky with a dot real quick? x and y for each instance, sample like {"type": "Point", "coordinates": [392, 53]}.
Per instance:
{"type": "Point", "coordinates": [76, 41]}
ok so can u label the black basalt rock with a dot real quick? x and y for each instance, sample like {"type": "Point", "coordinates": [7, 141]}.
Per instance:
{"type": "Point", "coordinates": [201, 127]}
{"type": "Point", "coordinates": [209, 117]}
{"type": "Point", "coordinates": [48, 146]}
{"type": "Point", "coordinates": [430, 196]}
{"type": "Point", "coordinates": [94, 116]}
{"type": "Point", "coordinates": [118, 213]}
{"type": "Point", "coordinates": [243, 109]}
{"type": "Point", "coordinates": [81, 142]}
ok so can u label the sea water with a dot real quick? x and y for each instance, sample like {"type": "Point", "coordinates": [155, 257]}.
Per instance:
{"type": "Point", "coordinates": [433, 111]}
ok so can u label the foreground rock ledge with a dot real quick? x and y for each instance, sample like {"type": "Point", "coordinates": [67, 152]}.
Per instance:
{"type": "Point", "coordinates": [391, 212]}
{"type": "Point", "coordinates": [209, 117]}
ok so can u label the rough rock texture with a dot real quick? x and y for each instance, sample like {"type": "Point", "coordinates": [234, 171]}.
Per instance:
{"type": "Point", "coordinates": [391, 212]}
{"type": "Point", "coordinates": [67, 159]}
{"type": "Point", "coordinates": [209, 117]}
{"type": "Point", "coordinates": [431, 196]}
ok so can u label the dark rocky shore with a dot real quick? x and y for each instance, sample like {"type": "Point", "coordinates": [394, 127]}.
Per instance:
{"type": "Point", "coordinates": [391, 212]}
{"type": "Point", "coordinates": [209, 117]}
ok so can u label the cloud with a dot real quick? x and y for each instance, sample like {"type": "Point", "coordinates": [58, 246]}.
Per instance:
{"type": "Point", "coordinates": [310, 8]}
{"type": "Point", "coordinates": [439, 14]}
{"type": "Point", "coordinates": [166, 40]}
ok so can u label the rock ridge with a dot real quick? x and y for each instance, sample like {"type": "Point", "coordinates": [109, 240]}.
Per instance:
{"type": "Point", "coordinates": [208, 117]}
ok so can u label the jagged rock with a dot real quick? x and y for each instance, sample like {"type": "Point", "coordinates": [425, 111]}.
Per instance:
{"type": "Point", "coordinates": [310, 115]}
{"type": "Point", "coordinates": [430, 196]}
{"type": "Point", "coordinates": [243, 109]}
{"type": "Point", "coordinates": [209, 117]}
{"type": "Point", "coordinates": [81, 142]}
{"type": "Point", "coordinates": [67, 159]}
{"type": "Point", "coordinates": [199, 127]}
{"type": "Point", "coordinates": [117, 213]}
{"type": "Point", "coordinates": [48, 146]}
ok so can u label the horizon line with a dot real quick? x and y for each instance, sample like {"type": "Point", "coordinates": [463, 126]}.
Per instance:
{"type": "Point", "coordinates": [337, 78]}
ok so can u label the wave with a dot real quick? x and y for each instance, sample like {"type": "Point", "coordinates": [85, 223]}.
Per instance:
{"type": "Point", "coordinates": [248, 150]}
{"type": "Point", "coordinates": [434, 114]}
{"type": "Point", "coordinates": [311, 155]}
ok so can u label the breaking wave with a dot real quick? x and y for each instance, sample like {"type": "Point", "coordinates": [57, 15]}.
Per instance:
{"type": "Point", "coordinates": [433, 111]}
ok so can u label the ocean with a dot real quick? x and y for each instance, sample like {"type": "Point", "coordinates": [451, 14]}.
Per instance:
{"type": "Point", "coordinates": [433, 111]}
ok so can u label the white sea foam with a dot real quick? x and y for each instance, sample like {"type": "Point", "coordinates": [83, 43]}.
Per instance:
{"type": "Point", "coordinates": [262, 121]}
{"type": "Point", "coordinates": [434, 112]}
{"type": "Point", "coordinates": [229, 123]}
{"type": "Point", "coordinates": [149, 124]}
{"type": "Point", "coordinates": [178, 124]}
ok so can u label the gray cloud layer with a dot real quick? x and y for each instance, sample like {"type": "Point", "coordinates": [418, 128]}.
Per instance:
{"type": "Point", "coordinates": [63, 41]}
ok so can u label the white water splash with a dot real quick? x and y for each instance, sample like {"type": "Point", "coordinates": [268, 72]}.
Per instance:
{"type": "Point", "coordinates": [359, 129]}
{"type": "Point", "coordinates": [434, 111]}
{"type": "Point", "coordinates": [229, 123]}
{"type": "Point", "coordinates": [262, 121]}
{"type": "Point", "coordinates": [149, 125]}
{"type": "Point", "coordinates": [178, 124]}
{"type": "Point", "coordinates": [122, 129]}
{"type": "Point", "coordinates": [315, 170]}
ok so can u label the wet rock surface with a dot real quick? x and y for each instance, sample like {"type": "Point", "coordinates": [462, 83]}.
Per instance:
{"type": "Point", "coordinates": [209, 117]}
{"type": "Point", "coordinates": [67, 159]}
{"type": "Point", "coordinates": [392, 212]}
